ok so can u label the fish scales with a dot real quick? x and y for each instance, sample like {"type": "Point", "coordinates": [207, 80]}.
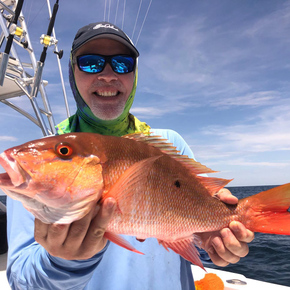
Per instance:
{"type": "Point", "coordinates": [158, 192]}
{"type": "Point", "coordinates": [170, 209]}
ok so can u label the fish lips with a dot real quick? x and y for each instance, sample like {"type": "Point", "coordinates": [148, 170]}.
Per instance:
{"type": "Point", "coordinates": [15, 175]}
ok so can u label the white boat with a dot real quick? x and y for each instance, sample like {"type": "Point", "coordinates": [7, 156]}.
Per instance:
{"type": "Point", "coordinates": [17, 82]}
{"type": "Point", "coordinates": [234, 281]}
{"type": "Point", "coordinates": [3, 279]}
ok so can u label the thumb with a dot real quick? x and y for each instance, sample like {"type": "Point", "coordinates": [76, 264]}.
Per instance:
{"type": "Point", "coordinates": [105, 213]}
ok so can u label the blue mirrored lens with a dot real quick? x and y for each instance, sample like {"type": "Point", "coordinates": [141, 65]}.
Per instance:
{"type": "Point", "coordinates": [91, 63]}
{"type": "Point", "coordinates": [122, 64]}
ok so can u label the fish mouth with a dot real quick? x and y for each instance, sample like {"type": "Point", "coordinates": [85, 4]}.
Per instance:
{"type": "Point", "coordinates": [15, 175]}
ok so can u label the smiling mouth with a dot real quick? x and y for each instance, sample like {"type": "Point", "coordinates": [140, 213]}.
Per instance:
{"type": "Point", "coordinates": [107, 93]}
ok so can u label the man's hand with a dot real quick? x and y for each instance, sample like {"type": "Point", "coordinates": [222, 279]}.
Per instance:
{"type": "Point", "coordinates": [79, 240]}
{"type": "Point", "coordinates": [229, 244]}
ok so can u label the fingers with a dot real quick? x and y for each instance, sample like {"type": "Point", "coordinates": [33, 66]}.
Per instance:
{"type": "Point", "coordinates": [100, 223]}
{"type": "Point", "coordinates": [241, 232]}
{"type": "Point", "coordinates": [43, 233]}
{"type": "Point", "coordinates": [40, 231]}
{"type": "Point", "coordinates": [50, 236]}
{"type": "Point", "coordinates": [219, 253]}
{"type": "Point", "coordinates": [80, 240]}
{"type": "Point", "coordinates": [230, 245]}
{"type": "Point", "coordinates": [225, 196]}
{"type": "Point", "coordinates": [227, 249]}
{"type": "Point", "coordinates": [75, 234]}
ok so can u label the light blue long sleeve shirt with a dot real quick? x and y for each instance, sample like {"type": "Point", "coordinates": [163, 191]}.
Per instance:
{"type": "Point", "coordinates": [30, 266]}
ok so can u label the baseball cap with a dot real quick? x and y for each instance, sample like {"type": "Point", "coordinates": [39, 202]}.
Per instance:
{"type": "Point", "coordinates": [102, 30]}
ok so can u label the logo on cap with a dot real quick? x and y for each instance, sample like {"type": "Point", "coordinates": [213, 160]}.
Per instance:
{"type": "Point", "coordinates": [105, 26]}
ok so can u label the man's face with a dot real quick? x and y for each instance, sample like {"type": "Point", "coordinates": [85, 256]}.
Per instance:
{"type": "Point", "coordinates": [106, 92]}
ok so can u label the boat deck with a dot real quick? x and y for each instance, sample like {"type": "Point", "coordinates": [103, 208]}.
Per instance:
{"type": "Point", "coordinates": [3, 280]}
{"type": "Point", "coordinates": [234, 281]}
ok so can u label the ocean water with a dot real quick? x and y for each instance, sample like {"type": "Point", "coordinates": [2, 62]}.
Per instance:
{"type": "Point", "coordinates": [269, 256]}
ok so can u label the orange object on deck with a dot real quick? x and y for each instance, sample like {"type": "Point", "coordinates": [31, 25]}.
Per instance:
{"type": "Point", "coordinates": [210, 282]}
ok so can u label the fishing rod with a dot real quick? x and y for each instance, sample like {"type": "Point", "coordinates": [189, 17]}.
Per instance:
{"type": "Point", "coordinates": [59, 54]}
{"type": "Point", "coordinates": [47, 40]}
{"type": "Point", "coordinates": [14, 30]}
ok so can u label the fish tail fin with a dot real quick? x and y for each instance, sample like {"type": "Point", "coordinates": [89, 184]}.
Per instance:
{"type": "Point", "coordinates": [269, 211]}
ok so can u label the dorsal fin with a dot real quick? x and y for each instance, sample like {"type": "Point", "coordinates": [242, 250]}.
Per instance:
{"type": "Point", "coordinates": [213, 184]}
{"type": "Point", "coordinates": [164, 146]}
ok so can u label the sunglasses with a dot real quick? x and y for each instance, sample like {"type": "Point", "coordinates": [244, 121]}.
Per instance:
{"type": "Point", "coordinates": [95, 63]}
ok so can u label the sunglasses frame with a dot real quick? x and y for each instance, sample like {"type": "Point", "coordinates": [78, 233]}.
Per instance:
{"type": "Point", "coordinates": [108, 59]}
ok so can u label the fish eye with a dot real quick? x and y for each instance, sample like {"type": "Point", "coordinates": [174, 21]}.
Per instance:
{"type": "Point", "coordinates": [64, 150]}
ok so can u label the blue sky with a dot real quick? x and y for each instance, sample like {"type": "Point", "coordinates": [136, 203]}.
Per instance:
{"type": "Point", "coordinates": [217, 72]}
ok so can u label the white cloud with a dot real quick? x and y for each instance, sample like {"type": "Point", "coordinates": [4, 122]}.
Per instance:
{"type": "Point", "coordinates": [8, 138]}
{"type": "Point", "coordinates": [147, 111]}
{"type": "Point", "coordinates": [255, 99]}
{"type": "Point", "coordinates": [274, 25]}
{"type": "Point", "coordinates": [241, 162]}
{"type": "Point", "coordinates": [157, 111]}
{"type": "Point", "coordinates": [216, 66]}
{"type": "Point", "coordinates": [267, 133]}
{"type": "Point", "coordinates": [259, 138]}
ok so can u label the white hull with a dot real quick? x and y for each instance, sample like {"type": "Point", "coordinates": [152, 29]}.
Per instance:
{"type": "Point", "coordinates": [3, 280]}
{"type": "Point", "coordinates": [251, 284]}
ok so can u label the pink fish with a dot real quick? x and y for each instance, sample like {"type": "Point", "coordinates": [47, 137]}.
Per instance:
{"type": "Point", "coordinates": [159, 193]}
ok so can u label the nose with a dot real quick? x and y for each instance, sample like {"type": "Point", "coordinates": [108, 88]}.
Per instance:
{"type": "Point", "coordinates": [107, 74]}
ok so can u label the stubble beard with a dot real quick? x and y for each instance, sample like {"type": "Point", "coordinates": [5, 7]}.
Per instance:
{"type": "Point", "coordinates": [107, 112]}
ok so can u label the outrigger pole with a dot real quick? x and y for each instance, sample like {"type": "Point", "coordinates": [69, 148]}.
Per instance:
{"type": "Point", "coordinates": [14, 30]}
{"type": "Point", "coordinates": [17, 81]}
{"type": "Point", "coordinates": [59, 54]}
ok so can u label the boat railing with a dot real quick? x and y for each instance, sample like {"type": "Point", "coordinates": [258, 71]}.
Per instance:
{"type": "Point", "coordinates": [19, 79]}
{"type": "Point", "coordinates": [2, 207]}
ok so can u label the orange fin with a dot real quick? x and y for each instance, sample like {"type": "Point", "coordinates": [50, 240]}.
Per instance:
{"type": "Point", "coordinates": [185, 248]}
{"type": "Point", "coordinates": [120, 242]}
{"type": "Point", "coordinates": [213, 184]}
{"type": "Point", "coordinates": [131, 180]}
{"type": "Point", "coordinates": [269, 211]}
{"type": "Point", "coordinates": [164, 146]}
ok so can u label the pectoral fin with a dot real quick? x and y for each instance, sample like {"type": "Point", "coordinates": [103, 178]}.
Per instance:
{"type": "Point", "coordinates": [134, 178]}
{"type": "Point", "coordinates": [120, 242]}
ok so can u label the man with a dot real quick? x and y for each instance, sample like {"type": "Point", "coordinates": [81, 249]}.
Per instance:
{"type": "Point", "coordinates": [103, 78]}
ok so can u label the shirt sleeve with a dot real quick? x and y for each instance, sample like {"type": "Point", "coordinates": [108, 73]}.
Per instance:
{"type": "Point", "coordinates": [29, 265]}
